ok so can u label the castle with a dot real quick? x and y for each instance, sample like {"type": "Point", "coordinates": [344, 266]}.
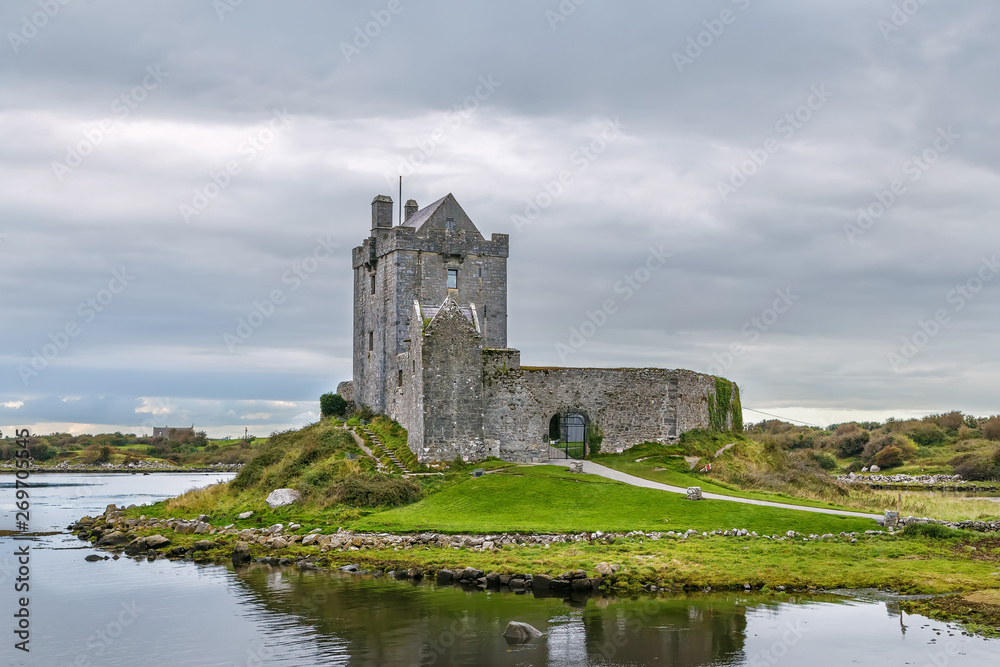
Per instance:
{"type": "Point", "coordinates": [430, 351]}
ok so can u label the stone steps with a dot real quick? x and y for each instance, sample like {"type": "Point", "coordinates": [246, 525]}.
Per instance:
{"type": "Point", "coordinates": [379, 447]}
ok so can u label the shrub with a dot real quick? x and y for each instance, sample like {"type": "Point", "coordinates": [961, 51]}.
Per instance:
{"type": "Point", "coordinates": [332, 405]}
{"type": "Point", "coordinates": [825, 461]}
{"type": "Point", "coordinates": [991, 428]}
{"type": "Point", "coordinates": [595, 436]}
{"type": "Point", "coordinates": [889, 457]}
{"type": "Point", "coordinates": [362, 411]}
{"type": "Point", "coordinates": [978, 466]}
{"type": "Point", "coordinates": [927, 434]}
{"type": "Point", "coordinates": [851, 443]}
{"type": "Point", "coordinates": [376, 490]}
{"type": "Point", "coordinates": [40, 450]}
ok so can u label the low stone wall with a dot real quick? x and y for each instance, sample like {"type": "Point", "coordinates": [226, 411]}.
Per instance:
{"type": "Point", "coordinates": [980, 526]}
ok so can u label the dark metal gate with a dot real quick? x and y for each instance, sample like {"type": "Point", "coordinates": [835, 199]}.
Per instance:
{"type": "Point", "coordinates": [572, 443]}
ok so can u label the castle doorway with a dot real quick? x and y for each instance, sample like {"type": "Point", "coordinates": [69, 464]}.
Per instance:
{"type": "Point", "coordinates": [568, 435]}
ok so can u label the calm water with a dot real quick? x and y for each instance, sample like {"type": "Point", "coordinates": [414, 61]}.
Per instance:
{"type": "Point", "coordinates": [173, 613]}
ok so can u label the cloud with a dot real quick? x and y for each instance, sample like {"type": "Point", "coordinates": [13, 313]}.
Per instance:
{"type": "Point", "coordinates": [256, 416]}
{"type": "Point", "coordinates": [159, 351]}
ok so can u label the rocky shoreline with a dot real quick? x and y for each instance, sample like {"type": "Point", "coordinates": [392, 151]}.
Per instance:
{"type": "Point", "coordinates": [114, 532]}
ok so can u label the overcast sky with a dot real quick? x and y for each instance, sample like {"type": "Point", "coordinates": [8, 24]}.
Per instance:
{"type": "Point", "coordinates": [165, 167]}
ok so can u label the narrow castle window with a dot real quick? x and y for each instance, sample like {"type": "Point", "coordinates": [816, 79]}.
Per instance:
{"type": "Point", "coordinates": [400, 378]}
{"type": "Point", "coordinates": [452, 278]}
{"type": "Point", "coordinates": [414, 365]}
{"type": "Point", "coordinates": [371, 341]}
{"type": "Point", "coordinates": [373, 283]}
{"type": "Point", "coordinates": [449, 224]}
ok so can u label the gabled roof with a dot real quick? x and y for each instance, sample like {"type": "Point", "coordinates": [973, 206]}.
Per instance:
{"type": "Point", "coordinates": [435, 216]}
{"type": "Point", "coordinates": [432, 312]}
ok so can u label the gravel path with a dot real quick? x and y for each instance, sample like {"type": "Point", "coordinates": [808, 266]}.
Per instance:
{"type": "Point", "coordinates": [597, 469]}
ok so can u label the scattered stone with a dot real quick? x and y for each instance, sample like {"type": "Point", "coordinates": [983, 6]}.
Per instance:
{"type": "Point", "coordinates": [520, 633]}
{"type": "Point", "coordinates": [157, 542]}
{"type": "Point", "coordinates": [310, 539]}
{"type": "Point", "coordinates": [202, 545]}
{"type": "Point", "coordinates": [603, 569]}
{"type": "Point", "coordinates": [136, 546]}
{"type": "Point", "coordinates": [349, 568]}
{"type": "Point", "coordinates": [874, 469]}
{"type": "Point", "coordinates": [694, 493]}
{"type": "Point", "coordinates": [444, 577]}
{"type": "Point", "coordinates": [282, 497]}
{"type": "Point", "coordinates": [113, 539]}
{"type": "Point", "coordinates": [245, 515]}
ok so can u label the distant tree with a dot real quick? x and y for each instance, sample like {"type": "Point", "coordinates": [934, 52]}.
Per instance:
{"type": "Point", "coordinates": [950, 421]}
{"type": "Point", "coordinates": [927, 434]}
{"type": "Point", "coordinates": [991, 428]}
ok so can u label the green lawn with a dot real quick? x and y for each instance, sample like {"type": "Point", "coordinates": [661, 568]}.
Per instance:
{"type": "Point", "coordinates": [551, 499]}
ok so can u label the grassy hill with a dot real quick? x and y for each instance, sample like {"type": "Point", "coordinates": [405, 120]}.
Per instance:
{"type": "Point", "coordinates": [340, 487]}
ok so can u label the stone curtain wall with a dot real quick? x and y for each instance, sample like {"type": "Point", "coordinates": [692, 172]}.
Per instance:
{"type": "Point", "coordinates": [631, 405]}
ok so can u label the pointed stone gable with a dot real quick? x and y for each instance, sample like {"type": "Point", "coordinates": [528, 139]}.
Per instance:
{"type": "Point", "coordinates": [449, 315]}
{"type": "Point", "coordinates": [435, 216]}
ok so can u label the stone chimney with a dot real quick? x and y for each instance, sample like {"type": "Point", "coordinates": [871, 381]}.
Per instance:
{"type": "Point", "coordinates": [410, 208]}
{"type": "Point", "coordinates": [382, 212]}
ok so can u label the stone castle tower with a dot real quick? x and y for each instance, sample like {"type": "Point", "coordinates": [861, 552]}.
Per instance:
{"type": "Point", "coordinates": [430, 351]}
{"type": "Point", "coordinates": [435, 255]}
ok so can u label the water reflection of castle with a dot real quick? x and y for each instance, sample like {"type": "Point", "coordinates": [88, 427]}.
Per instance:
{"type": "Point", "coordinates": [380, 622]}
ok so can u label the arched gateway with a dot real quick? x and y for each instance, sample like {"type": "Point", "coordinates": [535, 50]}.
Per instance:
{"type": "Point", "coordinates": [568, 435]}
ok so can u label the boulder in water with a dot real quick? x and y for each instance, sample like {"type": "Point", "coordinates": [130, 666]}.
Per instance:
{"type": "Point", "coordinates": [241, 553]}
{"type": "Point", "coordinates": [519, 633]}
{"type": "Point", "coordinates": [113, 539]}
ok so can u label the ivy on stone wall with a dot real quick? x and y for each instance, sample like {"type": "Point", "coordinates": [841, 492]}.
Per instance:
{"type": "Point", "coordinates": [737, 409]}
{"type": "Point", "coordinates": [724, 409]}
